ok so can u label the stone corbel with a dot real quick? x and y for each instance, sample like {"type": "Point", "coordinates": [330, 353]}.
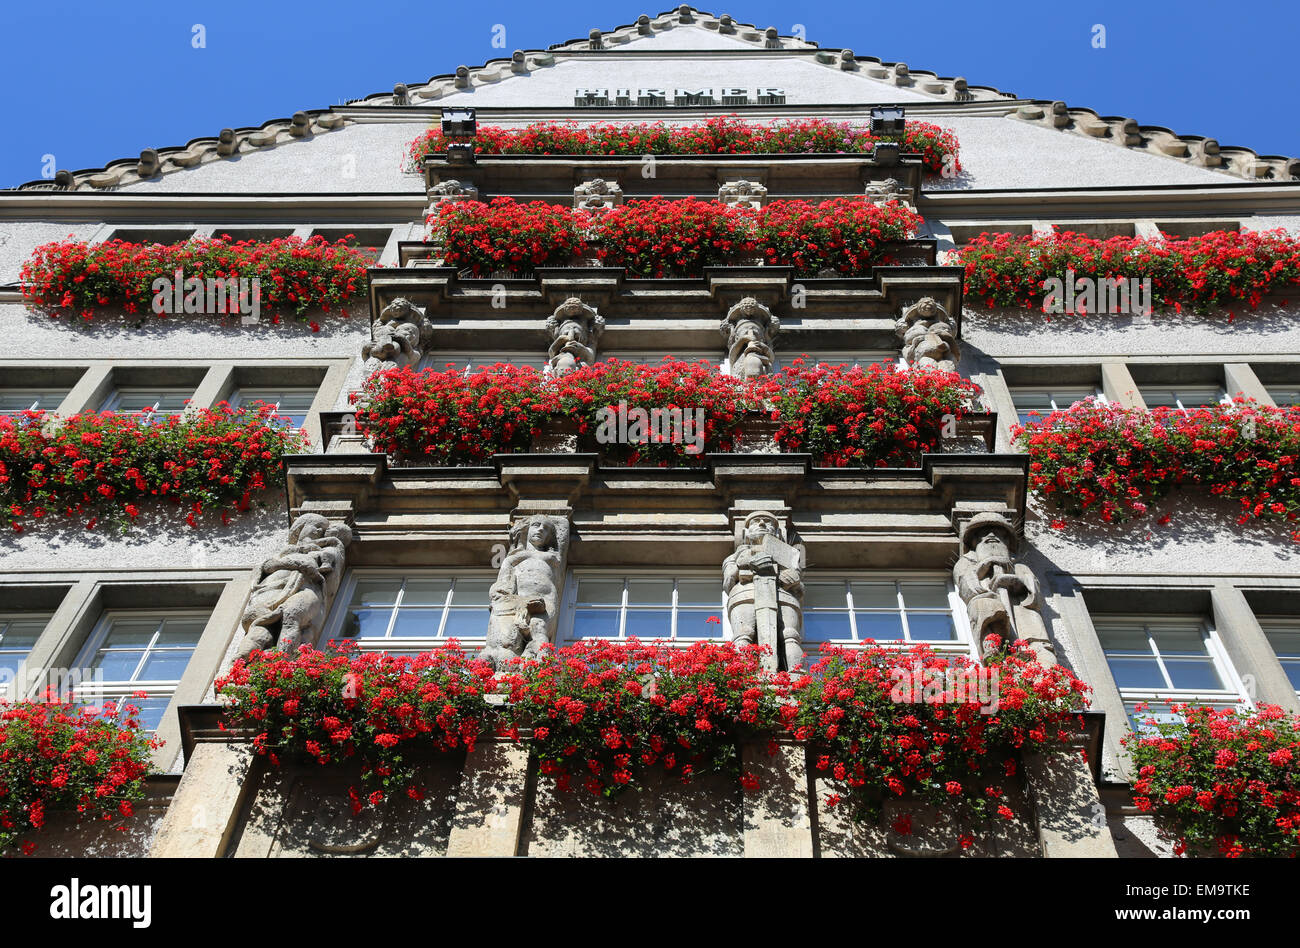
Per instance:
{"type": "Point", "coordinates": [742, 193]}
{"type": "Point", "coordinates": [399, 337]}
{"type": "Point", "coordinates": [749, 330]}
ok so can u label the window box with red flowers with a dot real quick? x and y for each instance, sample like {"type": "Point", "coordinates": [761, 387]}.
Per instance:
{"type": "Point", "coordinates": [298, 279]}
{"type": "Point", "coordinates": [1108, 462]}
{"type": "Point", "coordinates": [1221, 781]}
{"type": "Point", "coordinates": [606, 714]}
{"type": "Point", "coordinates": [878, 417]}
{"type": "Point", "coordinates": [1219, 271]}
{"type": "Point", "coordinates": [368, 708]}
{"type": "Point", "coordinates": [56, 757]}
{"type": "Point", "coordinates": [665, 239]}
{"type": "Point", "coordinates": [886, 723]}
{"type": "Point", "coordinates": [107, 466]}
{"type": "Point", "coordinates": [723, 135]}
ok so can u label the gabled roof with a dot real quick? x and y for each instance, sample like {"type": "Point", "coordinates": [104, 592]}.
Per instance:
{"type": "Point", "coordinates": [686, 31]}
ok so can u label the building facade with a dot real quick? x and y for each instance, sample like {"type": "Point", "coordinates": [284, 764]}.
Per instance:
{"type": "Point", "coordinates": [1191, 606]}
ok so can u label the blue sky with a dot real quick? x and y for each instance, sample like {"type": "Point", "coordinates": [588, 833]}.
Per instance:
{"type": "Point", "coordinates": [89, 83]}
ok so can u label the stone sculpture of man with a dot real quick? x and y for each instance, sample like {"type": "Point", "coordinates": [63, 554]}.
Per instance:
{"type": "Point", "coordinates": [575, 330]}
{"type": "Point", "coordinates": [1002, 596]}
{"type": "Point", "coordinates": [525, 599]}
{"type": "Point", "coordinates": [763, 582]}
{"type": "Point", "coordinates": [749, 330]}
{"type": "Point", "coordinates": [401, 336]}
{"type": "Point", "coordinates": [293, 589]}
{"type": "Point", "coordinates": [929, 340]}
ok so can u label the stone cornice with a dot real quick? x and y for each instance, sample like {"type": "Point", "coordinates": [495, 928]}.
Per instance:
{"type": "Point", "coordinates": [1274, 198]}
{"type": "Point", "coordinates": [954, 91]}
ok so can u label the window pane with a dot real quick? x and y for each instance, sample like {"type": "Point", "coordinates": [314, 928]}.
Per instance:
{"type": "Point", "coordinates": [151, 709]}
{"type": "Point", "coordinates": [1194, 675]}
{"type": "Point", "coordinates": [1188, 641]}
{"type": "Point", "coordinates": [595, 623]}
{"type": "Point", "coordinates": [119, 665]}
{"type": "Point", "coordinates": [426, 592]}
{"type": "Point", "coordinates": [883, 626]}
{"type": "Point", "coordinates": [600, 592]}
{"type": "Point", "coordinates": [874, 596]}
{"type": "Point", "coordinates": [165, 666]}
{"type": "Point", "coordinates": [20, 634]}
{"type": "Point", "coordinates": [649, 623]}
{"type": "Point", "coordinates": [824, 596]}
{"type": "Point", "coordinates": [181, 632]}
{"type": "Point", "coordinates": [931, 627]}
{"type": "Point", "coordinates": [376, 592]}
{"type": "Point", "coordinates": [417, 622]}
{"type": "Point", "coordinates": [826, 627]}
{"type": "Point", "coordinates": [924, 596]}
{"type": "Point", "coordinates": [693, 592]}
{"type": "Point", "coordinates": [692, 624]}
{"type": "Point", "coordinates": [1291, 667]}
{"type": "Point", "coordinates": [472, 592]}
{"type": "Point", "coordinates": [366, 623]}
{"type": "Point", "coordinates": [1126, 638]}
{"type": "Point", "coordinates": [650, 592]}
{"type": "Point", "coordinates": [1141, 673]}
{"type": "Point", "coordinates": [131, 633]}
{"type": "Point", "coordinates": [468, 623]}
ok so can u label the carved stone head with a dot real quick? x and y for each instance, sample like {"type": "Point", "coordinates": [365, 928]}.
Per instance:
{"type": "Point", "coordinates": [989, 535]}
{"type": "Point", "coordinates": [759, 524]}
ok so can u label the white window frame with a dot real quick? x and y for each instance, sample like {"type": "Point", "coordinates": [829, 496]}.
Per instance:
{"type": "Point", "coordinates": [475, 360]}
{"type": "Point", "coordinates": [568, 611]}
{"type": "Point", "coordinates": [850, 357]}
{"type": "Point", "coordinates": [1220, 395]}
{"type": "Point", "coordinates": [37, 395]}
{"type": "Point", "coordinates": [963, 644]}
{"type": "Point", "coordinates": [105, 690]}
{"type": "Point", "coordinates": [6, 618]}
{"type": "Point", "coordinates": [1056, 397]}
{"type": "Point", "coordinates": [238, 398]}
{"type": "Point", "coordinates": [1289, 624]}
{"type": "Point", "coordinates": [1234, 693]}
{"type": "Point", "coordinates": [655, 357]}
{"type": "Point", "coordinates": [115, 399]}
{"type": "Point", "coordinates": [333, 628]}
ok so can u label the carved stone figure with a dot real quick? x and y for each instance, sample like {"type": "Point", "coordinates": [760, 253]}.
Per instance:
{"type": "Point", "coordinates": [929, 340]}
{"type": "Point", "coordinates": [891, 189]}
{"type": "Point", "coordinates": [749, 330]}
{"type": "Point", "coordinates": [1002, 596]}
{"type": "Point", "coordinates": [742, 193]}
{"type": "Point", "coordinates": [293, 589]}
{"type": "Point", "coordinates": [400, 336]}
{"type": "Point", "coordinates": [525, 599]}
{"type": "Point", "coordinates": [763, 582]}
{"type": "Point", "coordinates": [597, 194]}
{"type": "Point", "coordinates": [575, 330]}
{"type": "Point", "coordinates": [453, 190]}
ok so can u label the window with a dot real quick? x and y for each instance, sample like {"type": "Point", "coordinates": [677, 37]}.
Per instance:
{"type": "Point", "coordinates": [1185, 397]}
{"type": "Point", "coordinates": [18, 633]}
{"type": "Point", "coordinates": [15, 400]}
{"type": "Point", "coordinates": [655, 357]}
{"type": "Point", "coordinates": [369, 242]}
{"type": "Point", "coordinates": [609, 606]}
{"type": "Point", "coordinates": [1033, 404]}
{"type": "Point", "coordinates": [159, 402]}
{"type": "Point", "coordinates": [132, 651]}
{"type": "Point", "coordinates": [1284, 396]}
{"type": "Point", "coordinates": [1155, 658]}
{"type": "Point", "coordinates": [1283, 635]}
{"type": "Point", "coordinates": [405, 614]}
{"type": "Point", "coordinates": [914, 609]}
{"type": "Point", "coordinates": [865, 358]}
{"type": "Point", "coordinates": [476, 361]}
{"type": "Point", "coordinates": [290, 403]}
